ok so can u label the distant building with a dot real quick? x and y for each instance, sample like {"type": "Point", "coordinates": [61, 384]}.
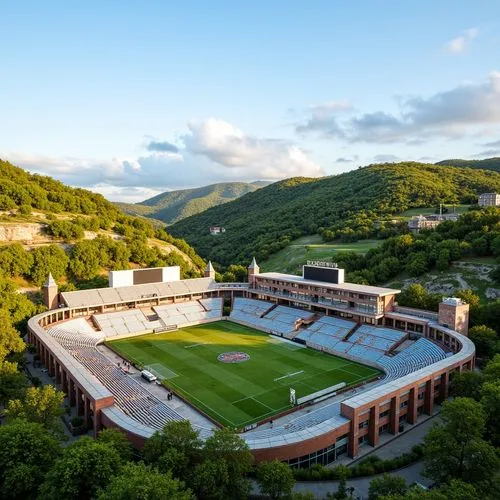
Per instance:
{"type": "Point", "coordinates": [489, 200]}
{"type": "Point", "coordinates": [419, 222]}
{"type": "Point", "coordinates": [217, 230]}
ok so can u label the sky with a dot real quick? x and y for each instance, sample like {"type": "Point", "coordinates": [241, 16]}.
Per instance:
{"type": "Point", "coordinates": [132, 98]}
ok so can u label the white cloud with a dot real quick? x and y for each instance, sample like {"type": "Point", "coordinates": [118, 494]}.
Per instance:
{"type": "Point", "coordinates": [460, 44]}
{"type": "Point", "coordinates": [125, 194]}
{"type": "Point", "coordinates": [213, 151]}
{"type": "Point", "coordinates": [386, 158]}
{"type": "Point", "coordinates": [228, 146]}
{"type": "Point", "coordinates": [322, 118]}
{"type": "Point", "coordinates": [452, 113]}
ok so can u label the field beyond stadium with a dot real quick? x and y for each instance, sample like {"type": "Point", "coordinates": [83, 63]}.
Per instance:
{"type": "Point", "coordinates": [237, 394]}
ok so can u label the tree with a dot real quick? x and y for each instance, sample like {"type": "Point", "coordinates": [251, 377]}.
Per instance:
{"type": "Point", "coordinates": [27, 452]}
{"type": "Point", "coordinates": [176, 448]}
{"type": "Point", "coordinates": [85, 260]}
{"type": "Point", "coordinates": [49, 259]}
{"type": "Point", "coordinates": [417, 264]}
{"type": "Point", "coordinates": [142, 482]}
{"type": "Point", "coordinates": [485, 339]}
{"type": "Point", "coordinates": [210, 479]}
{"type": "Point", "coordinates": [225, 445]}
{"type": "Point", "coordinates": [388, 484]}
{"type": "Point", "coordinates": [466, 384]}
{"type": "Point", "coordinates": [490, 315]}
{"type": "Point", "coordinates": [10, 341]}
{"type": "Point", "coordinates": [492, 370]}
{"type": "Point", "coordinates": [42, 405]}
{"type": "Point", "coordinates": [13, 383]}
{"type": "Point", "coordinates": [343, 492]}
{"type": "Point", "coordinates": [414, 296]}
{"type": "Point", "coordinates": [116, 439]}
{"type": "Point", "coordinates": [275, 479]}
{"type": "Point", "coordinates": [491, 403]}
{"type": "Point", "coordinates": [85, 467]}
{"type": "Point", "coordinates": [455, 449]}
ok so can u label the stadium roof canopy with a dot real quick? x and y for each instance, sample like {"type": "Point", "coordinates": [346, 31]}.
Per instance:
{"type": "Point", "coordinates": [350, 287]}
{"type": "Point", "coordinates": [105, 296]}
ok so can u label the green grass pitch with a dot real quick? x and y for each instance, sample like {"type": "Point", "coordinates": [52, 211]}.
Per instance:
{"type": "Point", "coordinates": [238, 394]}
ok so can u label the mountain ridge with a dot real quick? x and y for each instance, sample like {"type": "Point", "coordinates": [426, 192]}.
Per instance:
{"type": "Point", "coordinates": [172, 206]}
{"type": "Point", "coordinates": [266, 220]}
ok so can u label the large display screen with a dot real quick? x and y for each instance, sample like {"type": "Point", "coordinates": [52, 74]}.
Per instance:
{"type": "Point", "coordinates": [330, 275]}
{"type": "Point", "coordinates": [142, 276]}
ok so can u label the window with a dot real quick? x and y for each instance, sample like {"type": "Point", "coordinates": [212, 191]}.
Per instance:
{"type": "Point", "coordinates": [384, 414]}
{"type": "Point", "coordinates": [404, 404]}
{"type": "Point", "coordinates": [363, 425]}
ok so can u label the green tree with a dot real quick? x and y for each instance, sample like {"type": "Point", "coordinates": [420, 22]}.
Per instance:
{"type": "Point", "coordinates": [225, 445]}
{"type": "Point", "coordinates": [10, 341]}
{"type": "Point", "coordinates": [118, 440]}
{"type": "Point", "coordinates": [455, 449]}
{"type": "Point", "coordinates": [466, 384]}
{"type": "Point", "coordinates": [141, 482]}
{"type": "Point", "coordinates": [42, 405]}
{"type": "Point", "coordinates": [176, 448]}
{"type": "Point", "coordinates": [275, 479]}
{"type": "Point", "coordinates": [492, 370]}
{"type": "Point", "coordinates": [485, 339]}
{"type": "Point", "coordinates": [388, 484]}
{"type": "Point", "coordinates": [85, 467]}
{"type": "Point", "coordinates": [27, 452]}
{"type": "Point", "coordinates": [414, 296]}
{"type": "Point", "coordinates": [85, 260]}
{"type": "Point", "coordinates": [49, 259]}
{"type": "Point", "coordinates": [490, 400]}
{"type": "Point", "coordinates": [210, 479]}
{"type": "Point", "coordinates": [13, 383]}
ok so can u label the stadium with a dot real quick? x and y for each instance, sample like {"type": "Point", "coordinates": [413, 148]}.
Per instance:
{"type": "Point", "coordinates": [306, 368]}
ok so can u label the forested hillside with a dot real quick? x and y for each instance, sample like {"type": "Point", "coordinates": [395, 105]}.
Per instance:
{"type": "Point", "coordinates": [267, 220]}
{"type": "Point", "coordinates": [486, 164]}
{"type": "Point", "coordinates": [65, 215]}
{"type": "Point", "coordinates": [173, 206]}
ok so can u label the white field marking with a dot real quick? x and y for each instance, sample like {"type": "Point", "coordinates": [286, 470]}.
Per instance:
{"type": "Point", "coordinates": [289, 375]}
{"type": "Point", "coordinates": [201, 403]}
{"type": "Point", "coordinates": [263, 404]}
{"type": "Point", "coordinates": [195, 345]}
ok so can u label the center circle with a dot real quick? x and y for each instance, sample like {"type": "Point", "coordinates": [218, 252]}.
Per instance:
{"type": "Point", "coordinates": [233, 357]}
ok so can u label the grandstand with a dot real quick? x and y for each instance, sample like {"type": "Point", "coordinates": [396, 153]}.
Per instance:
{"type": "Point", "coordinates": [131, 396]}
{"type": "Point", "coordinates": [185, 313]}
{"type": "Point", "coordinates": [127, 322]}
{"type": "Point", "coordinates": [417, 353]}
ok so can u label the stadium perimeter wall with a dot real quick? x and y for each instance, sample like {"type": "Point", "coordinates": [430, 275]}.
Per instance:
{"type": "Point", "coordinates": [380, 408]}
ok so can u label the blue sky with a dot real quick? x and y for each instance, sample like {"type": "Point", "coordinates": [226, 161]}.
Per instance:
{"type": "Point", "coordinates": [131, 98]}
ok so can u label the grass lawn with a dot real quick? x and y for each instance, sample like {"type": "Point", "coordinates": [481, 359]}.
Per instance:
{"type": "Point", "coordinates": [291, 258]}
{"type": "Point", "coordinates": [238, 394]}
{"type": "Point", "coordinates": [459, 209]}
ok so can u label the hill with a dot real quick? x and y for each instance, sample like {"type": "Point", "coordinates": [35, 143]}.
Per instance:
{"type": "Point", "coordinates": [486, 164]}
{"type": "Point", "coordinates": [263, 222]}
{"type": "Point", "coordinates": [173, 206]}
{"type": "Point", "coordinates": [38, 213]}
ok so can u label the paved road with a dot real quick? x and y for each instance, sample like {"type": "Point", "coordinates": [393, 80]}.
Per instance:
{"type": "Point", "coordinates": [319, 489]}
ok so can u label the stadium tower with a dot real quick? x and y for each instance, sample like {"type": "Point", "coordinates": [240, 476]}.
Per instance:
{"type": "Point", "coordinates": [253, 270]}
{"type": "Point", "coordinates": [209, 271]}
{"type": "Point", "coordinates": [51, 293]}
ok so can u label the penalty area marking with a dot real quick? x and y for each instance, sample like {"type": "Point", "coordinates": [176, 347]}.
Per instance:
{"type": "Point", "coordinates": [289, 375]}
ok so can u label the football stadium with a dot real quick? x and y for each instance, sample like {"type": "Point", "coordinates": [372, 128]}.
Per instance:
{"type": "Point", "coordinates": [306, 368]}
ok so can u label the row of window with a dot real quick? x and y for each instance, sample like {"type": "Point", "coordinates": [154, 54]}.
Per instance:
{"type": "Point", "coordinates": [320, 290]}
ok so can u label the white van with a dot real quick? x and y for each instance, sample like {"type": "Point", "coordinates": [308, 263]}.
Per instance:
{"type": "Point", "coordinates": [148, 376]}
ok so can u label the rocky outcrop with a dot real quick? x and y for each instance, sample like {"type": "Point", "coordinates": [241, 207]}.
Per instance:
{"type": "Point", "coordinates": [23, 233]}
